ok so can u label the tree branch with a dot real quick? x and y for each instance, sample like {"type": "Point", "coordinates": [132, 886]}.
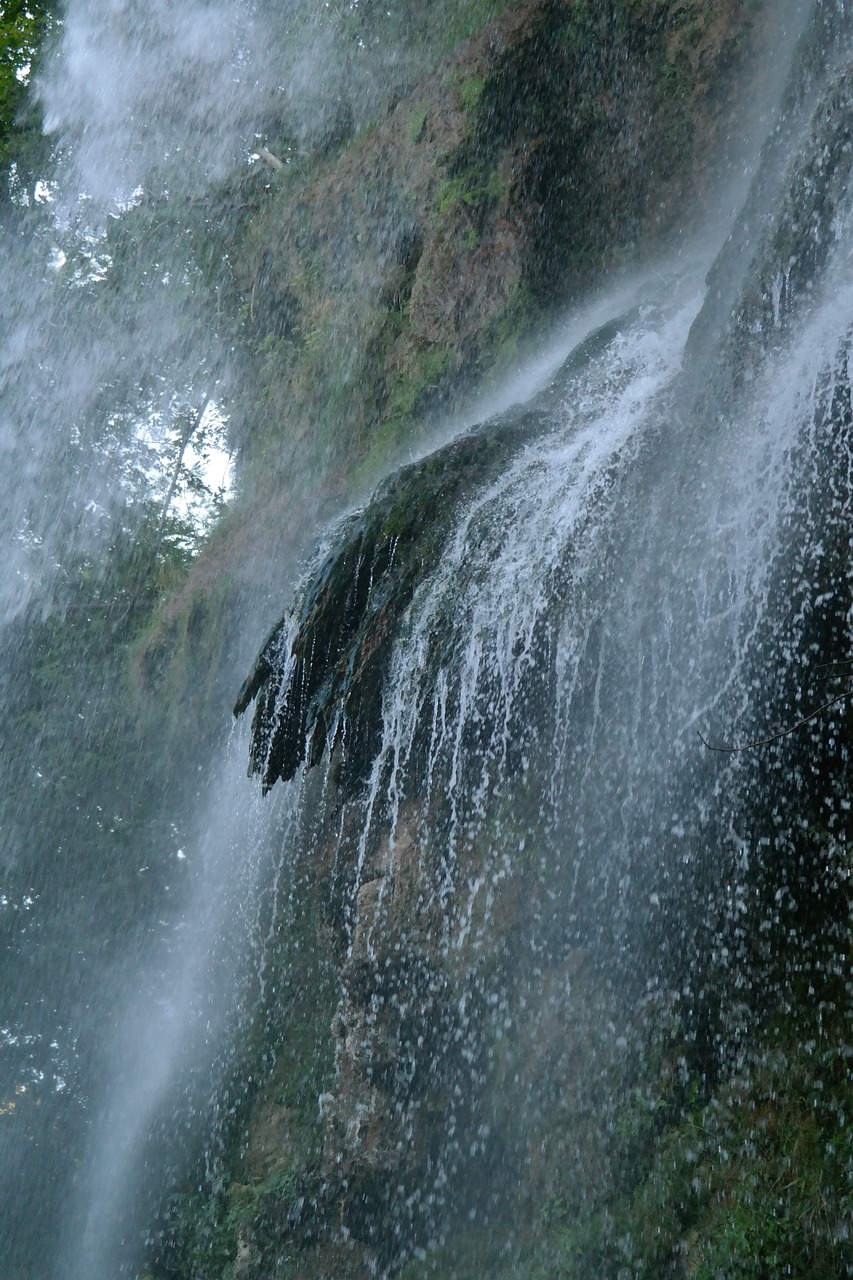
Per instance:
{"type": "Point", "coordinates": [783, 733]}
{"type": "Point", "coordinates": [188, 434]}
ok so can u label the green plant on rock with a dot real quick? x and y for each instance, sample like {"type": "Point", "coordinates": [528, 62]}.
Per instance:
{"type": "Point", "coordinates": [407, 403]}
{"type": "Point", "coordinates": [758, 1183]}
{"type": "Point", "coordinates": [206, 1233]}
{"type": "Point", "coordinates": [503, 333]}
{"type": "Point", "coordinates": [204, 1241]}
{"type": "Point", "coordinates": [471, 189]}
{"type": "Point", "coordinates": [247, 1204]}
{"type": "Point", "coordinates": [425, 377]}
{"type": "Point", "coordinates": [417, 123]}
{"type": "Point", "coordinates": [470, 92]}
{"type": "Point", "coordinates": [741, 1249]}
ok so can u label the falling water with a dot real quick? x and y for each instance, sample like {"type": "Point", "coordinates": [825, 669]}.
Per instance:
{"type": "Point", "coordinates": [544, 825]}
{"type": "Point", "coordinates": [519, 831]}
{"type": "Point", "coordinates": [109, 340]}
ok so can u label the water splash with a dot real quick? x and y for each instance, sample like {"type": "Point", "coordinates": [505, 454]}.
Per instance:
{"type": "Point", "coordinates": [665, 555]}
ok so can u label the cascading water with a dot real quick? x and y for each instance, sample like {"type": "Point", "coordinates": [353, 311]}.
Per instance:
{"type": "Point", "coordinates": [521, 662]}
{"type": "Point", "coordinates": [110, 352]}
{"type": "Point", "coordinates": [485, 726]}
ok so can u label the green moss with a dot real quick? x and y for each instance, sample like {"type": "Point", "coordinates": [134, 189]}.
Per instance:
{"type": "Point", "coordinates": [753, 1181]}
{"type": "Point", "coordinates": [385, 442]}
{"type": "Point", "coordinates": [206, 1232]}
{"type": "Point", "coordinates": [247, 1202]}
{"type": "Point", "coordinates": [417, 123]}
{"type": "Point", "coordinates": [471, 188]}
{"type": "Point", "coordinates": [208, 1244]}
{"type": "Point", "coordinates": [470, 92]}
{"type": "Point", "coordinates": [757, 1184]}
{"type": "Point", "coordinates": [675, 84]}
{"type": "Point", "coordinates": [463, 19]}
{"type": "Point", "coordinates": [504, 332]}
{"type": "Point", "coordinates": [450, 191]}
{"type": "Point", "coordinates": [423, 378]}
{"type": "Point", "coordinates": [295, 1031]}
{"type": "Point", "coordinates": [407, 402]}
{"type": "Point", "coordinates": [289, 1060]}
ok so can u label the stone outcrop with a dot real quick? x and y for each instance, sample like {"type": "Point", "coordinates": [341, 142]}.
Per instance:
{"type": "Point", "coordinates": [317, 680]}
{"type": "Point", "coordinates": [384, 275]}
{"type": "Point", "coordinates": [381, 278]}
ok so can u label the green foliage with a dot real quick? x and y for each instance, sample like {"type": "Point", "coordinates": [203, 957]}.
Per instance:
{"type": "Point", "coordinates": [755, 1185]}
{"type": "Point", "coordinates": [24, 26]}
{"type": "Point", "coordinates": [207, 1232]}
{"type": "Point", "coordinates": [471, 189]}
{"type": "Point", "coordinates": [286, 1063]}
{"type": "Point", "coordinates": [503, 334]}
{"type": "Point", "coordinates": [410, 395]}
{"type": "Point", "coordinates": [417, 123]}
{"type": "Point", "coordinates": [424, 378]}
{"type": "Point", "coordinates": [758, 1183]}
{"type": "Point", "coordinates": [471, 91]}
{"type": "Point", "coordinates": [203, 1232]}
{"type": "Point", "coordinates": [293, 1029]}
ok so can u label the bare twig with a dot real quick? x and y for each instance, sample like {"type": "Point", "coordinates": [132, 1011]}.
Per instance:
{"type": "Point", "coordinates": [783, 733]}
{"type": "Point", "coordinates": [188, 434]}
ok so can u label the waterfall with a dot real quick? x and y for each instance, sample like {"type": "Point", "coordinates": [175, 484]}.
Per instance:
{"type": "Point", "coordinates": [534, 666]}
{"type": "Point", "coordinates": [535, 819]}
{"type": "Point", "coordinates": [548, 748]}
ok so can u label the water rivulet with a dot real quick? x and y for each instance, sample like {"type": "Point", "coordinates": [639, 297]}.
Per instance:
{"type": "Point", "coordinates": [524, 687]}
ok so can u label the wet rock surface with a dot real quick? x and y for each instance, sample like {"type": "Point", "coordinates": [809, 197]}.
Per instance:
{"type": "Point", "coordinates": [459, 1008]}
{"type": "Point", "coordinates": [321, 690]}
{"type": "Point", "coordinates": [388, 272]}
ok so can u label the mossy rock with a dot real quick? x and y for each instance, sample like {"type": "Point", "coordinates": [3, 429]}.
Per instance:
{"type": "Point", "coordinates": [318, 678]}
{"type": "Point", "coordinates": [348, 617]}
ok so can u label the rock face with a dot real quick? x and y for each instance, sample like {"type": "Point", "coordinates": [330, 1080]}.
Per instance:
{"type": "Point", "coordinates": [441, 938]}
{"type": "Point", "coordinates": [384, 275]}
{"type": "Point", "coordinates": [318, 678]}
{"type": "Point", "coordinates": [438, 996]}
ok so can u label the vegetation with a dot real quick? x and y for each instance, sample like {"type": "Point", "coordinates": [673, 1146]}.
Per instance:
{"type": "Point", "coordinates": [24, 28]}
{"type": "Point", "coordinates": [417, 123]}
{"type": "Point", "coordinates": [754, 1184]}
{"type": "Point", "coordinates": [276, 1135]}
{"type": "Point", "coordinates": [471, 91]}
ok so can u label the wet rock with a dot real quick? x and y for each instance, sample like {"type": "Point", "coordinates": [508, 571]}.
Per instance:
{"type": "Point", "coordinates": [321, 690]}
{"type": "Point", "coordinates": [384, 277]}
{"type": "Point", "coordinates": [271, 1139]}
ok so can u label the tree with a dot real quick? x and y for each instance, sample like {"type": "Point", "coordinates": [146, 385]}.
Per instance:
{"type": "Point", "coordinates": [24, 28]}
